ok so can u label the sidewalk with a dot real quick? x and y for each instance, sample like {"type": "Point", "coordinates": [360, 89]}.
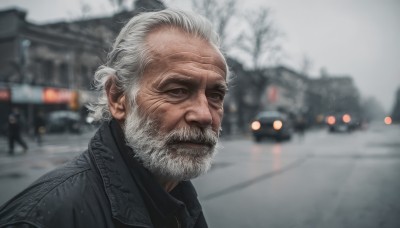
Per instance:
{"type": "Point", "coordinates": [47, 140]}
{"type": "Point", "coordinates": [55, 150]}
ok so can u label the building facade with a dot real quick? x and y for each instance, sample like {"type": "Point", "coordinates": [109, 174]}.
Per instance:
{"type": "Point", "coordinates": [333, 95]}
{"type": "Point", "coordinates": [43, 68]}
{"type": "Point", "coordinates": [51, 66]}
{"type": "Point", "coordinates": [286, 91]}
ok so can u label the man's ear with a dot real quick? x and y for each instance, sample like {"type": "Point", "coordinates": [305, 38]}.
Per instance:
{"type": "Point", "coordinates": [116, 101]}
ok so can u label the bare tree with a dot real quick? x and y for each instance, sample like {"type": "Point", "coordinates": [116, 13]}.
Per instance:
{"type": "Point", "coordinates": [305, 65]}
{"type": "Point", "coordinates": [148, 5]}
{"type": "Point", "coordinates": [85, 9]}
{"type": "Point", "coordinates": [119, 5]}
{"type": "Point", "coordinates": [259, 40]}
{"type": "Point", "coordinates": [220, 13]}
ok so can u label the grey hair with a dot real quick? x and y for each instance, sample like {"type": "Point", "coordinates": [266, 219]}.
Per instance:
{"type": "Point", "coordinates": [130, 55]}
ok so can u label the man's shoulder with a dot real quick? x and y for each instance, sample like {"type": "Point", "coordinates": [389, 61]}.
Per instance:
{"type": "Point", "coordinates": [63, 194]}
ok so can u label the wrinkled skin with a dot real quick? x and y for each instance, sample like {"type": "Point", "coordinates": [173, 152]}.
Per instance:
{"type": "Point", "coordinates": [185, 84]}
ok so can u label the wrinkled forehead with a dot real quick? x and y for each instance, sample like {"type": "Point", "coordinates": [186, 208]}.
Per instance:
{"type": "Point", "coordinates": [208, 62]}
{"type": "Point", "coordinates": [174, 44]}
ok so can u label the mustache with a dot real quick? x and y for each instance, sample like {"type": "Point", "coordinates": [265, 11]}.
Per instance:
{"type": "Point", "coordinates": [192, 135]}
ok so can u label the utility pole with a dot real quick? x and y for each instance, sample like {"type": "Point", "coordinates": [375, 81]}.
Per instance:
{"type": "Point", "coordinates": [24, 61]}
{"type": "Point", "coordinates": [24, 58]}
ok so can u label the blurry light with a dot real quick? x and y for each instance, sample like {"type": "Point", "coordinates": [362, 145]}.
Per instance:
{"type": "Point", "coordinates": [346, 118]}
{"type": "Point", "coordinates": [331, 120]}
{"type": "Point", "coordinates": [277, 125]}
{"type": "Point", "coordinates": [256, 125]}
{"type": "Point", "coordinates": [50, 96]}
{"type": "Point", "coordinates": [388, 120]}
{"type": "Point", "coordinates": [89, 120]}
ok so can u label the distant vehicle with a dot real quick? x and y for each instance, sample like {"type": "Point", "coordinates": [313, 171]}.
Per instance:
{"type": "Point", "coordinates": [271, 124]}
{"type": "Point", "coordinates": [342, 123]}
{"type": "Point", "coordinates": [63, 121]}
{"type": "Point", "coordinates": [388, 120]}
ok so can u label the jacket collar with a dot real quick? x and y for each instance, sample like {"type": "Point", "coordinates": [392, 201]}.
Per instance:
{"type": "Point", "coordinates": [124, 196]}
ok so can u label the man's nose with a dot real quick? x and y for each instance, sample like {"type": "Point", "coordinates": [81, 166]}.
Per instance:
{"type": "Point", "coordinates": [199, 112]}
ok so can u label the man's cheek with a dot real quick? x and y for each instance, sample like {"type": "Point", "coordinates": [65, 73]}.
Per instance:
{"type": "Point", "coordinates": [217, 118]}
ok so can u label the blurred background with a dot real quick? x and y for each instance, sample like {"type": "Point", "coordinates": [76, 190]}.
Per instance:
{"type": "Point", "coordinates": [311, 121]}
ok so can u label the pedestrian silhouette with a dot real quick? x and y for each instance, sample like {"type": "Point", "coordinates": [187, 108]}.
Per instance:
{"type": "Point", "coordinates": [40, 129]}
{"type": "Point", "coordinates": [14, 132]}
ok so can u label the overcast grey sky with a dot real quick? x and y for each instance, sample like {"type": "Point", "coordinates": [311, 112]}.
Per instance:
{"type": "Point", "coordinates": [360, 38]}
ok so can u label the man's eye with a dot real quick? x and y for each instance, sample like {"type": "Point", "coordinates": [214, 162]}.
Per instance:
{"type": "Point", "coordinates": [178, 92]}
{"type": "Point", "coordinates": [216, 96]}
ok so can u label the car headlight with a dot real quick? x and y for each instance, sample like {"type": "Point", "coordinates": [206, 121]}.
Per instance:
{"type": "Point", "coordinates": [256, 125]}
{"type": "Point", "coordinates": [346, 118]}
{"type": "Point", "coordinates": [388, 120]}
{"type": "Point", "coordinates": [277, 125]}
{"type": "Point", "coordinates": [331, 120]}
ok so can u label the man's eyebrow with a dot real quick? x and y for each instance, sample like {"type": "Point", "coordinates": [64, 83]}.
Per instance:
{"type": "Point", "coordinates": [191, 82]}
{"type": "Point", "coordinates": [181, 79]}
{"type": "Point", "coordinates": [221, 86]}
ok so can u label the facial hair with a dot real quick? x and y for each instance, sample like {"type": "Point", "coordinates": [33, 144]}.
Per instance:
{"type": "Point", "coordinates": [180, 154]}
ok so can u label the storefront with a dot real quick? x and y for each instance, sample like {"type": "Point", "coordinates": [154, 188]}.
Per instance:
{"type": "Point", "coordinates": [27, 99]}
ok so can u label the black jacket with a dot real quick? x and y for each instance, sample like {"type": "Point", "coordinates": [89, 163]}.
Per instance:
{"type": "Point", "coordinates": [97, 189]}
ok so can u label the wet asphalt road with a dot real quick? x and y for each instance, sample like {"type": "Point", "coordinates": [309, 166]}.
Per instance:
{"type": "Point", "coordinates": [322, 180]}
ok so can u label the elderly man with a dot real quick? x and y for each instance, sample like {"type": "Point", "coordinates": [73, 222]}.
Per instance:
{"type": "Point", "coordinates": [163, 90]}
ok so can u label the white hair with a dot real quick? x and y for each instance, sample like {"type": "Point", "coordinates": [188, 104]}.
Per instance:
{"type": "Point", "coordinates": [130, 55]}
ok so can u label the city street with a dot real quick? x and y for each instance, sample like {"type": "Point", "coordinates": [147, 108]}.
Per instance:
{"type": "Point", "coordinates": [322, 180]}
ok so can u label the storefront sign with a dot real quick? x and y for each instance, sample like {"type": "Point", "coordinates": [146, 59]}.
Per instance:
{"type": "Point", "coordinates": [56, 96]}
{"type": "Point", "coordinates": [26, 94]}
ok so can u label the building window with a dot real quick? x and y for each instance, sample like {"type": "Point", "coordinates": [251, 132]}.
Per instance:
{"type": "Point", "coordinates": [64, 79]}
{"type": "Point", "coordinates": [48, 72]}
{"type": "Point", "coordinates": [83, 76]}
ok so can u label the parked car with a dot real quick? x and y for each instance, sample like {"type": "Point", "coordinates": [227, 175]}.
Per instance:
{"type": "Point", "coordinates": [342, 122]}
{"type": "Point", "coordinates": [63, 121]}
{"type": "Point", "coordinates": [271, 124]}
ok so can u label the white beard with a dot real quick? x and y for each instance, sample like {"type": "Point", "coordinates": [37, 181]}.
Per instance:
{"type": "Point", "coordinates": [163, 154]}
